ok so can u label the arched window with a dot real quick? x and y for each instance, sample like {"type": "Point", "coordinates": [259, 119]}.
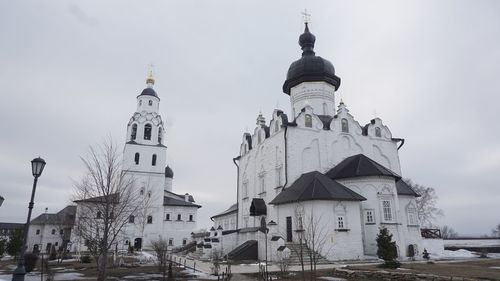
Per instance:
{"type": "Point", "coordinates": [159, 135]}
{"type": "Point", "coordinates": [308, 121]}
{"type": "Point", "coordinates": [377, 132]}
{"type": "Point", "coordinates": [345, 126]}
{"type": "Point", "coordinates": [53, 231]}
{"type": "Point", "coordinates": [136, 158]}
{"type": "Point", "coordinates": [150, 219]}
{"type": "Point", "coordinates": [153, 160]}
{"type": "Point", "coordinates": [276, 126]}
{"type": "Point", "coordinates": [134, 132]}
{"type": "Point", "coordinates": [150, 102]}
{"type": "Point", "coordinates": [147, 132]}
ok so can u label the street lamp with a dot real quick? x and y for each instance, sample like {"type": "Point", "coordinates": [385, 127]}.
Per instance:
{"type": "Point", "coordinates": [37, 166]}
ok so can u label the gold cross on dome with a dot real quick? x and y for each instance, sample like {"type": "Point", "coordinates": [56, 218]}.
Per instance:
{"type": "Point", "coordinates": [150, 70]}
{"type": "Point", "coordinates": [306, 17]}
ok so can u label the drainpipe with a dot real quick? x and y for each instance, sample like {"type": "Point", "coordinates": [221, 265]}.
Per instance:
{"type": "Point", "coordinates": [286, 158]}
{"type": "Point", "coordinates": [399, 140]}
{"type": "Point", "coordinates": [237, 188]}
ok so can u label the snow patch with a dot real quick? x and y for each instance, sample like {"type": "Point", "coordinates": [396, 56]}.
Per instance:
{"type": "Point", "coordinates": [332, 278]}
{"type": "Point", "coordinates": [458, 254]}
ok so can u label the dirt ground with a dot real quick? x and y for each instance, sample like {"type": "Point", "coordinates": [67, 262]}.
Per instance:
{"type": "Point", "coordinates": [88, 271]}
{"type": "Point", "coordinates": [488, 269]}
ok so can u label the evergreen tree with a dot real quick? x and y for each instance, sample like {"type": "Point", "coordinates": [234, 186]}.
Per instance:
{"type": "Point", "coordinates": [15, 242]}
{"type": "Point", "coordinates": [387, 248]}
{"type": "Point", "coordinates": [3, 243]}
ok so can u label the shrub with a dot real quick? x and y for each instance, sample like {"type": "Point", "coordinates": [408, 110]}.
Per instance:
{"type": "Point", "coordinates": [30, 260]}
{"type": "Point", "coordinates": [86, 259]}
{"type": "Point", "coordinates": [3, 244]}
{"type": "Point", "coordinates": [387, 248]}
{"type": "Point", "coordinates": [425, 255]}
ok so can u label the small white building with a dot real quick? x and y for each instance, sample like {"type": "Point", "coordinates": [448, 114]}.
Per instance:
{"type": "Point", "coordinates": [319, 167]}
{"type": "Point", "coordinates": [49, 232]}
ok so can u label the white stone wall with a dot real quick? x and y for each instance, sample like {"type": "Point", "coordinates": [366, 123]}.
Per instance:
{"type": "Point", "coordinates": [44, 237]}
{"type": "Point", "coordinates": [376, 189]}
{"type": "Point", "coordinates": [262, 169]}
{"type": "Point", "coordinates": [228, 221]}
{"type": "Point", "coordinates": [341, 244]}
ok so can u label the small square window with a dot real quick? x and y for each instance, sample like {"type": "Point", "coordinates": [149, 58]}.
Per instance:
{"type": "Point", "coordinates": [369, 217]}
{"type": "Point", "coordinates": [190, 217]}
{"type": "Point", "coordinates": [179, 217]}
{"type": "Point", "coordinates": [167, 217]}
{"type": "Point", "coordinates": [171, 241]}
{"type": "Point", "coordinates": [150, 219]}
{"type": "Point", "coordinates": [38, 232]}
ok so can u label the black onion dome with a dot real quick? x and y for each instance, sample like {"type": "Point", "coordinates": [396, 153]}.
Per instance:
{"type": "Point", "coordinates": [169, 173]}
{"type": "Point", "coordinates": [148, 92]}
{"type": "Point", "coordinates": [310, 67]}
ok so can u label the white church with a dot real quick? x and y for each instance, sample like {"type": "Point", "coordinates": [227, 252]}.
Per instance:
{"type": "Point", "coordinates": [316, 165]}
{"type": "Point", "coordinates": [168, 215]}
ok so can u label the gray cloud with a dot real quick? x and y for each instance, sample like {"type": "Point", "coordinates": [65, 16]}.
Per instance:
{"type": "Point", "coordinates": [70, 74]}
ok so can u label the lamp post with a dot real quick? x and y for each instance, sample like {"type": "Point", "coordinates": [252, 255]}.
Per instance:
{"type": "Point", "coordinates": [37, 166]}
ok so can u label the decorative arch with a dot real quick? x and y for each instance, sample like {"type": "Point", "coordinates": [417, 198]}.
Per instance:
{"type": "Point", "coordinates": [133, 133]}
{"type": "Point", "coordinates": [147, 131]}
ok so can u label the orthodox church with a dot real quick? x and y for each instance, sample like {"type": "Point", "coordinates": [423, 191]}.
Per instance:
{"type": "Point", "coordinates": [165, 214]}
{"type": "Point", "coordinates": [316, 167]}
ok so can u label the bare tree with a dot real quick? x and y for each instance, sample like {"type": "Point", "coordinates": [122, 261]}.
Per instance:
{"type": "Point", "coordinates": [106, 199]}
{"type": "Point", "coordinates": [448, 232]}
{"type": "Point", "coordinates": [315, 237]}
{"type": "Point", "coordinates": [496, 231]}
{"type": "Point", "coordinates": [426, 203]}
{"type": "Point", "coordinates": [160, 246]}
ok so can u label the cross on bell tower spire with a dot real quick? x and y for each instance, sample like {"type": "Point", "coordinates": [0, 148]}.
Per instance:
{"type": "Point", "coordinates": [306, 16]}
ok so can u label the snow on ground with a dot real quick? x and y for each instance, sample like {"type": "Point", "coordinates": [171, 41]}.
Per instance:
{"type": "Point", "coordinates": [69, 276]}
{"type": "Point", "coordinates": [199, 274]}
{"type": "Point", "coordinates": [332, 278]}
{"type": "Point", "coordinates": [458, 254]}
{"type": "Point", "coordinates": [145, 257]}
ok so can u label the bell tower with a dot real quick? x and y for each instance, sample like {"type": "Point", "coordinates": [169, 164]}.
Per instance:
{"type": "Point", "coordinates": [145, 155]}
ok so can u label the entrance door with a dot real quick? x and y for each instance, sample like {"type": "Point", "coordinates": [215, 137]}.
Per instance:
{"type": "Point", "coordinates": [288, 229]}
{"type": "Point", "coordinates": [138, 243]}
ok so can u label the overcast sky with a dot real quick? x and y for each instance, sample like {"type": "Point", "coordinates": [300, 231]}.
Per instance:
{"type": "Point", "coordinates": [70, 73]}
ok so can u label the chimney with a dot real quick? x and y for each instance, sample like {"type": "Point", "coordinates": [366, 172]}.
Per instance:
{"type": "Point", "coordinates": [186, 197]}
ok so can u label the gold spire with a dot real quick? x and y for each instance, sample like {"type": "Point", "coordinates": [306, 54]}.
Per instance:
{"type": "Point", "coordinates": [150, 80]}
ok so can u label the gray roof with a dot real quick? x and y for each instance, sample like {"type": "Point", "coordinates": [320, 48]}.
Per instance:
{"type": "Point", "coordinates": [180, 196]}
{"type": "Point", "coordinates": [359, 166]}
{"type": "Point", "coordinates": [11, 225]}
{"type": "Point", "coordinates": [230, 210]}
{"type": "Point", "coordinates": [64, 217]}
{"type": "Point", "coordinates": [404, 189]}
{"type": "Point", "coordinates": [169, 201]}
{"type": "Point", "coordinates": [100, 199]}
{"type": "Point", "coordinates": [315, 186]}
{"type": "Point", "coordinates": [326, 120]}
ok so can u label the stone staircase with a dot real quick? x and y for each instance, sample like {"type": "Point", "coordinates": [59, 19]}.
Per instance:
{"type": "Point", "coordinates": [295, 254]}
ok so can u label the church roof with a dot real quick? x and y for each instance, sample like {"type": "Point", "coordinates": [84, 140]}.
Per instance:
{"type": "Point", "coordinates": [359, 166]}
{"type": "Point", "coordinates": [326, 120]}
{"type": "Point", "coordinates": [168, 172]}
{"type": "Point", "coordinates": [404, 189]}
{"type": "Point", "coordinates": [65, 216]}
{"type": "Point", "coordinates": [230, 210]}
{"type": "Point", "coordinates": [315, 186]}
{"type": "Point", "coordinates": [149, 92]}
{"type": "Point", "coordinates": [309, 67]}
{"type": "Point", "coordinates": [169, 201]}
